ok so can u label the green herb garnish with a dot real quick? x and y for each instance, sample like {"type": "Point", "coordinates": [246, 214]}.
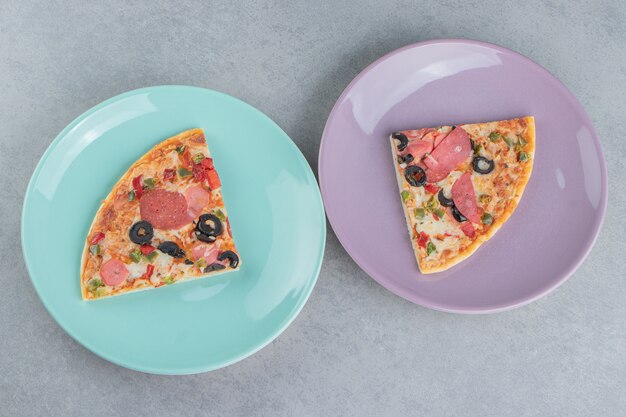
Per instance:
{"type": "Point", "coordinates": [487, 218]}
{"type": "Point", "coordinates": [432, 203]}
{"type": "Point", "coordinates": [149, 183]}
{"type": "Point", "coordinates": [439, 213]}
{"type": "Point", "coordinates": [220, 214]}
{"type": "Point", "coordinates": [478, 149]}
{"type": "Point", "coordinates": [430, 248]}
{"type": "Point", "coordinates": [150, 257]}
{"type": "Point", "coordinates": [183, 172]}
{"type": "Point", "coordinates": [405, 196]}
{"type": "Point", "coordinates": [523, 157]}
{"type": "Point", "coordinates": [494, 136]}
{"type": "Point", "coordinates": [168, 280]}
{"type": "Point", "coordinates": [508, 141]}
{"type": "Point", "coordinates": [197, 158]}
{"type": "Point", "coordinates": [94, 249]}
{"type": "Point", "coordinates": [484, 198]}
{"type": "Point", "coordinates": [99, 292]}
{"type": "Point", "coordinates": [135, 255]}
{"type": "Point", "coordinates": [180, 149]}
{"type": "Point", "coordinates": [94, 283]}
{"type": "Point", "coordinates": [419, 213]}
{"type": "Point", "coordinates": [201, 263]}
{"type": "Point", "coordinates": [131, 195]}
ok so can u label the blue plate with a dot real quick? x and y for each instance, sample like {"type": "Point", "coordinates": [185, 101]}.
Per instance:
{"type": "Point", "coordinates": [277, 221]}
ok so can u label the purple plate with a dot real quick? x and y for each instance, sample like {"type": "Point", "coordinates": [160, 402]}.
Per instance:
{"type": "Point", "coordinates": [454, 82]}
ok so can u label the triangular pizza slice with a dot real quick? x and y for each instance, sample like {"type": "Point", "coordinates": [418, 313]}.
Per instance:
{"type": "Point", "coordinates": [163, 222]}
{"type": "Point", "coordinates": [460, 184]}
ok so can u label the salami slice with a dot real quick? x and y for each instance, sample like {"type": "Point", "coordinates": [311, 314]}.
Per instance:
{"type": "Point", "coordinates": [468, 229]}
{"type": "Point", "coordinates": [440, 137]}
{"type": "Point", "coordinates": [452, 151]}
{"type": "Point", "coordinates": [164, 209]}
{"type": "Point", "coordinates": [464, 197]}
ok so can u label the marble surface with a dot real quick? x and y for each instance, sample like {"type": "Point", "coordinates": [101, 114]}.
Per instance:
{"type": "Point", "coordinates": [355, 349]}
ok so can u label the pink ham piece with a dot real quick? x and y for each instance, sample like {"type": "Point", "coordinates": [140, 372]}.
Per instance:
{"type": "Point", "coordinates": [418, 149]}
{"type": "Point", "coordinates": [113, 272]}
{"type": "Point", "coordinates": [416, 134]}
{"type": "Point", "coordinates": [464, 198]}
{"type": "Point", "coordinates": [207, 252]}
{"type": "Point", "coordinates": [197, 199]}
{"type": "Point", "coordinates": [452, 151]}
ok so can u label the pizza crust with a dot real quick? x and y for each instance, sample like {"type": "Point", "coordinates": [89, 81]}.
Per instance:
{"type": "Point", "coordinates": [404, 207]}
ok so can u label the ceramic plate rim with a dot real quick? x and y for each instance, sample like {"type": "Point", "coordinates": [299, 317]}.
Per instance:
{"type": "Point", "coordinates": [409, 295]}
{"type": "Point", "coordinates": [159, 371]}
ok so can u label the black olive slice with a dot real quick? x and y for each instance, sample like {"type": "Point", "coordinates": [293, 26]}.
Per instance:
{"type": "Point", "coordinates": [483, 165]}
{"type": "Point", "coordinates": [415, 175]}
{"type": "Point", "coordinates": [214, 267]}
{"type": "Point", "coordinates": [141, 233]}
{"type": "Point", "coordinates": [445, 201]}
{"type": "Point", "coordinates": [408, 158]}
{"type": "Point", "coordinates": [205, 238]}
{"type": "Point", "coordinates": [171, 249]}
{"type": "Point", "coordinates": [231, 256]}
{"type": "Point", "coordinates": [457, 215]}
{"type": "Point", "coordinates": [402, 140]}
{"type": "Point", "coordinates": [209, 225]}
{"type": "Point", "coordinates": [188, 262]}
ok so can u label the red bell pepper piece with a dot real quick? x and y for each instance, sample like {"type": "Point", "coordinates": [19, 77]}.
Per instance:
{"type": "Point", "coordinates": [138, 186]}
{"type": "Point", "coordinates": [96, 238]}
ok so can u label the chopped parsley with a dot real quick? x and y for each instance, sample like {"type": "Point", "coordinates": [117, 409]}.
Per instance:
{"type": "Point", "coordinates": [523, 156]}
{"type": "Point", "coordinates": [430, 248]}
{"type": "Point", "coordinates": [487, 218]}
{"type": "Point", "coordinates": [197, 158]}
{"type": "Point", "coordinates": [135, 255]}
{"type": "Point", "coordinates": [94, 283]}
{"type": "Point", "coordinates": [220, 214]}
{"type": "Point", "coordinates": [150, 257]}
{"type": "Point", "coordinates": [183, 172]}
{"type": "Point", "coordinates": [149, 183]}
{"type": "Point", "coordinates": [94, 249]}
{"type": "Point", "coordinates": [484, 198]}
